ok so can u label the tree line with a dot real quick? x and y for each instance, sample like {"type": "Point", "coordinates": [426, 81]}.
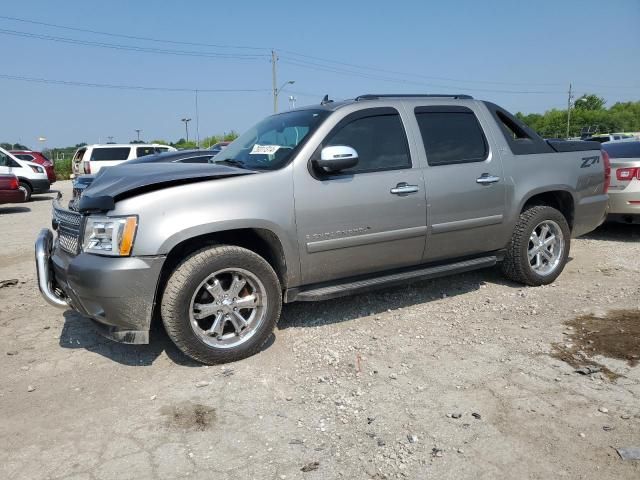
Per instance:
{"type": "Point", "coordinates": [589, 112]}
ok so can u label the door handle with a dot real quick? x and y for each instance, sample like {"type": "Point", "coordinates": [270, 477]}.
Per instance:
{"type": "Point", "coordinates": [486, 179]}
{"type": "Point", "coordinates": [404, 188]}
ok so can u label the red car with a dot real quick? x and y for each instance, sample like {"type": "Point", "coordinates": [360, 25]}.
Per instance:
{"type": "Point", "coordinates": [9, 189]}
{"type": "Point", "coordinates": [37, 157]}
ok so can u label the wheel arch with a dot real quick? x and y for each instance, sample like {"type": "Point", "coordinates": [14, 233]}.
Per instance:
{"type": "Point", "coordinates": [261, 241]}
{"type": "Point", "coordinates": [559, 198]}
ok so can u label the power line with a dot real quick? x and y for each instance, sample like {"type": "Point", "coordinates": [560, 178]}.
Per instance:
{"type": "Point", "coordinates": [318, 67]}
{"type": "Point", "coordinates": [130, 87]}
{"type": "Point", "coordinates": [427, 77]}
{"type": "Point", "coordinates": [130, 37]}
{"type": "Point", "coordinates": [246, 56]}
{"type": "Point", "coordinates": [328, 65]}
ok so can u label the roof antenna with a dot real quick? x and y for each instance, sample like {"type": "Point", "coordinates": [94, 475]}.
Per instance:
{"type": "Point", "coordinates": [326, 100]}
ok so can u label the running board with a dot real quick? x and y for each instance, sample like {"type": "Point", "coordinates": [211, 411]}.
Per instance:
{"type": "Point", "coordinates": [358, 286]}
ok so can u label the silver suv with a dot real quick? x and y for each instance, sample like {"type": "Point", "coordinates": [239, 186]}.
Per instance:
{"type": "Point", "coordinates": [315, 203]}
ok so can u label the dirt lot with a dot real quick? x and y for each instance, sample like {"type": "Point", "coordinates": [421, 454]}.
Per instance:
{"type": "Point", "coordinates": [463, 377]}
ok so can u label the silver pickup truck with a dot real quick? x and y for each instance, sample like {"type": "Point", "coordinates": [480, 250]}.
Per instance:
{"type": "Point", "coordinates": [315, 203]}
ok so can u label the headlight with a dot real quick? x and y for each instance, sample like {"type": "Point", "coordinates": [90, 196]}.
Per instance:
{"type": "Point", "coordinates": [110, 235]}
{"type": "Point", "coordinates": [37, 169]}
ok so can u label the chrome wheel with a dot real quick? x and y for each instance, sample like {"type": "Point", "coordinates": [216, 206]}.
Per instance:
{"type": "Point", "coordinates": [228, 307]}
{"type": "Point", "coordinates": [546, 247]}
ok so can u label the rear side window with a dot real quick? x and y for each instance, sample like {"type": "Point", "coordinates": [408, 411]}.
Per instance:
{"type": "Point", "coordinates": [24, 156]}
{"type": "Point", "coordinates": [451, 137]}
{"type": "Point", "coordinates": [142, 151]}
{"type": "Point", "coordinates": [380, 141]}
{"type": "Point", "coordinates": [110, 154]}
{"type": "Point", "coordinates": [79, 154]}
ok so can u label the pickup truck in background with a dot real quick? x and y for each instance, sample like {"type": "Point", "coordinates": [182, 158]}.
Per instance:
{"type": "Point", "coordinates": [315, 203]}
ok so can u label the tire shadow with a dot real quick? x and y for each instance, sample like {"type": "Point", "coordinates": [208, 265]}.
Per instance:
{"type": "Point", "coordinates": [10, 210]}
{"type": "Point", "coordinates": [613, 231]}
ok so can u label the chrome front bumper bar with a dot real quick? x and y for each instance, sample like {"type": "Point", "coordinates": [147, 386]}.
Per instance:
{"type": "Point", "coordinates": [44, 244]}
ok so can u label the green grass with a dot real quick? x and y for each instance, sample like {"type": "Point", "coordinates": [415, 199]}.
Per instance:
{"type": "Point", "coordinates": [63, 169]}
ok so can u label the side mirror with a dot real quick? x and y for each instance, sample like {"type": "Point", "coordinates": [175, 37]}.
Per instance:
{"type": "Point", "coordinates": [338, 157]}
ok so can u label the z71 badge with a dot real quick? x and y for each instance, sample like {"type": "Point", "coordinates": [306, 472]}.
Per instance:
{"type": "Point", "coordinates": [588, 161]}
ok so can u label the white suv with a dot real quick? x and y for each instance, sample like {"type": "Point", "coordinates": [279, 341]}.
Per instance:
{"type": "Point", "coordinates": [91, 158]}
{"type": "Point", "coordinates": [32, 177]}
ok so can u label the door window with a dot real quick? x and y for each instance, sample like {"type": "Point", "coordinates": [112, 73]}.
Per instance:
{"type": "Point", "coordinates": [380, 141]}
{"type": "Point", "coordinates": [451, 137]}
{"type": "Point", "coordinates": [7, 161]}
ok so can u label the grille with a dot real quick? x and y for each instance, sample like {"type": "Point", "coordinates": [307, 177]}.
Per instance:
{"type": "Point", "coordinates": [69, 227]}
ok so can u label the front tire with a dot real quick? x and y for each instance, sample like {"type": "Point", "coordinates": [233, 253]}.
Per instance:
{"type": "Point", "coordinates": [539, 247]}
{"type": "Point", "coordinates": [26, 188]}
{"type": "Point", "coordinates": [221, 304]}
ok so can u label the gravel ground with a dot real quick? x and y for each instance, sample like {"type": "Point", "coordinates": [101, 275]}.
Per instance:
{"type": "Point", "coordinates": [447, 379]}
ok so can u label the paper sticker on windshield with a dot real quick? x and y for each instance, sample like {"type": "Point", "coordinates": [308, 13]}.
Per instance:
{"type": "Point", "coordinates": [264, 149]}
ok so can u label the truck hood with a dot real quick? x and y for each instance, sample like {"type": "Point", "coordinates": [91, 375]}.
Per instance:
{"type": "Point", "coordinates": [122, 181]}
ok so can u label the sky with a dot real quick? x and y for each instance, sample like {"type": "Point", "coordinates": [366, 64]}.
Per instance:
{"type": "Point", "coordinates": [521, 55]}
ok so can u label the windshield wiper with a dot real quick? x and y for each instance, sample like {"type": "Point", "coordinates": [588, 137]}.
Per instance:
{"type": "Point", "coordinates": [232, 162]}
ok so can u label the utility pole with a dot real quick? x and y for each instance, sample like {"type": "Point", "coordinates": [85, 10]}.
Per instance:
{"type": "Point", "coordinates": [197, 123]}
{"type": "Point", "coordinates": [186, 126]}
{"type": "Point", "coordinates": [274, 80]}
{"type": "Point", "coordinates": [138, 132]}
{"type": "Point", "coordinates": [569, 98]}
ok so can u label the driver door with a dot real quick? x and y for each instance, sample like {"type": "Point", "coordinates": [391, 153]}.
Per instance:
{"type": "Point", "coordinates": [368, 218]}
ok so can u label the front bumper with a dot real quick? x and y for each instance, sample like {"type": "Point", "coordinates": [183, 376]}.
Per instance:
{"type": "Point", "coordinates": [116, 292]}
{"type": "Point", "coordinates": [40, 185]}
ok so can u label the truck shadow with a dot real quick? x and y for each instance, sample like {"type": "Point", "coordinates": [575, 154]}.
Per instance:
{"type": "Point", "coordinates": [313, 314]}
{"type": "Point", "coordinates": [620, 232]}
{"type": "Point", "coordinates": [80, 332]}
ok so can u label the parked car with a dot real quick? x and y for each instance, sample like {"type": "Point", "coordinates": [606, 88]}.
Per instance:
{"type": "Point", "coordinates": [316, 203]}
{"type": "Point", "coordinates": [624, 192]}
{"type": "Point", "coordinates": [32, 177]}
{"type": "Point", "coordinates": [91, 158]}
{"type": "Point", "coordinates": [611, 137]}
{"type": "Point", "coordinates": [40, 159]}
{"type": "Point", "coordinates": [218, 147]}
{"type": "Point", "coordinates": [81, 182]}
{"type": "Point", "coordinates": [10, 191]}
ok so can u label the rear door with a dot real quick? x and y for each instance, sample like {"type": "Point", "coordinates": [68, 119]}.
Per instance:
{"type": "Point", "coordinates": [370, 217]}
{"type": "Point", "coordinates": [464, 181]}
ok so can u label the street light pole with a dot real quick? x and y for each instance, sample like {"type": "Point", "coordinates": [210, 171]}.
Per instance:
{"type": "Point", "coordinates": [138, 132]}
{"type": "Point", "coordinates": [569, 98]}
{"type": "Point", "coordinates": [277, 92]}
{"type": "Point", "coordinates": [186, 126]}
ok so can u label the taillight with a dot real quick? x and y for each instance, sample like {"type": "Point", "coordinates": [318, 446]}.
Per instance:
{"type": "Point", "coordinates": [13, 183]}
{"type": "Point", "coordinates": [627, 174]}
{"type": "Point", "coordinates": [607, 170]}
{"type": "Point", "coordinates": [87, 167]}
{"type": "Point", "coordinates": [9, 183]}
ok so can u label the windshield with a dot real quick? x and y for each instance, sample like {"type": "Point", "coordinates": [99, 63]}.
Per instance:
{"type": "Point", "coordinates": [270, 144]}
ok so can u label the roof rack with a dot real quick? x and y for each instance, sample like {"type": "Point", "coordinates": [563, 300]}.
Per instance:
{"type": "Point", "coordinates": [373, 96]}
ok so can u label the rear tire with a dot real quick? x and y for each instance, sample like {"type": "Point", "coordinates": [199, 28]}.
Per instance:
{"type": "Point", "coordinates": [539, 247]}
{"type": "Point", "coordinates": [26, 188]}
{"type": "Point", "coordinates": [221, 304]}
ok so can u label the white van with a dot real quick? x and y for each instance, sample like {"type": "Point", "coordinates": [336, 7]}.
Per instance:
{"type": "Point", "coordinates": [91, 158]}
{"type": "Point", "coordinates": [31, 176]}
